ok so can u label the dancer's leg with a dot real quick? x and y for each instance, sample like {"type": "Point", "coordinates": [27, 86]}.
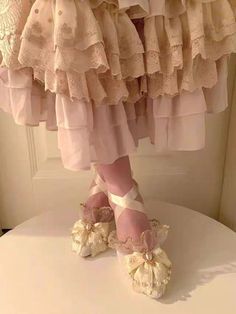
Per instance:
{"type": "Point", "coordinates": [118, 178]}
{"type": "Point", "coordinates": [96, 200]}
{"type": "Point", "coordinates": [90, 233]}
{"type": "Point", "coordinates": [151, 275]}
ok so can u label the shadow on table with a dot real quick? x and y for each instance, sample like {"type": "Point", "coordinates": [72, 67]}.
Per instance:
{"type": "Point", "coordinates": [200, 253]}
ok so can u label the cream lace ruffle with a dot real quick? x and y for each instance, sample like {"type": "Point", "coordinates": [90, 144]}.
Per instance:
{"type": "Point", "coordinates": [89, 239]}
{"type": "Point", "coordinates": [150, 272]}
{"type": "Point", "coordinates": [90, 234]}
{"type": "Point", "coordinates": [92, 50]}
{"type": "Point", "coordinates": [102, 89]}
{"type": "Point", "coordinates": [206, 29]}
{"type": "Point", "coordinates": [13, 16]}
{"type": "Point", "coordinates": [76, 40]}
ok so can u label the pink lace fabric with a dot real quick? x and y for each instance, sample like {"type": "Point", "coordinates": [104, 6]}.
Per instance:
{"type": "Point", "coordinates": [105, 74]}
{"type": "Point", "coordinates": [149, 239]}
{"type": "Point", "coordinates": [94, 215]}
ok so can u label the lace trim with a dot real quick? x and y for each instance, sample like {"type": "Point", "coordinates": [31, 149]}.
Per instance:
{"type": "Point", "coordinates": [104, 89]}
{"type": "Point", "coordinates": [196, 74]}
{"type": "Point", "coordinates": [12, 20]}
{"type": "Point", "coordinates": [95, 57]}
{"type": "Point", "coordinates": [167, 42]}
{"type": "Point", "coordinates": [149, 239]}
{"type": "Point", "coordinates": [97, 214]}
{"type": "Point", "coordinates": [172, 9]}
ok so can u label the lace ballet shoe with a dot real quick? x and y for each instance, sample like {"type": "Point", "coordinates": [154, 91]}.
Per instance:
{"type": "Point", "coordinates": [145, 263]}
{"type": "Point", "coordinates": [90, 233]}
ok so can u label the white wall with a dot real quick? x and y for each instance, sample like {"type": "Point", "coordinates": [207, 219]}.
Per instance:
{"type": "Point", "coordinates": [228, 203]}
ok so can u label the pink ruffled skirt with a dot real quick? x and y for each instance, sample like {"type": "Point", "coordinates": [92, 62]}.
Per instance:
{"type": "Point", "coordinates": [124, 79]}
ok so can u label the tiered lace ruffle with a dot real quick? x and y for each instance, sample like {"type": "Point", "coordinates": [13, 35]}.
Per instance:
{"type": "Point", "coordinates": [183, 39]}
{"type": "Point", "coordinates": [82, 53]}
{"type": "Point", "coordinates": [107, 73]}
{"type": "Point", "coordinates": [92, 51]}
{"type": "Point", "coordinates": [89, 133]}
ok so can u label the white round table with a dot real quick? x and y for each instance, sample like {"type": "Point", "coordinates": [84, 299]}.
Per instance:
{"type": "Point", "coordinates": [39, 273]}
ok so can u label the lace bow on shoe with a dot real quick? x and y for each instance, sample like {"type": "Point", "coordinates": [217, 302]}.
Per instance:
{"type": "Point", "coordinates": [146, 263]}
{"type": "Point", "coordinates": [89, 238]}
{"type": "Point", "coordinates": [150, 271]}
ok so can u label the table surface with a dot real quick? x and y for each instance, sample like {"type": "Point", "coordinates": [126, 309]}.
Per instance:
{"type": "Point", "coordinates": [39, 273]}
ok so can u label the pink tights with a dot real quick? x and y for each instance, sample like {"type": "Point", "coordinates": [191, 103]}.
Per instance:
{"type": "Point", "coordinates": [118, 178]}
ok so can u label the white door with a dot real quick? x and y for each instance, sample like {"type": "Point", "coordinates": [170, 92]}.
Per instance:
{"type": "Point", "coordinates": [32, 178]}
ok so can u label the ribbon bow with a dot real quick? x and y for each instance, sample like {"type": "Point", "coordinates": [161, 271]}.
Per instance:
{"type": "Point", "coordinates": [93, 236]}
{"type": "Point", "coordinates": [150, 271]}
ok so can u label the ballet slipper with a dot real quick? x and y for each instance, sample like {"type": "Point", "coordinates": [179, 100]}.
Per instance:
{"type": "Point", "coordinates": [90, 233]}
{"type": "Point", "coordinates": [144, 261]}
